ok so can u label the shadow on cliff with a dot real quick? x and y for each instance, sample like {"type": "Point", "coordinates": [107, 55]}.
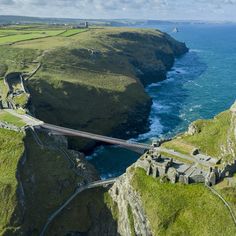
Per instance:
{"type": "Point", "coordinates": [86, 215]}
{"type": "Point", "coordinates": [100, 111]}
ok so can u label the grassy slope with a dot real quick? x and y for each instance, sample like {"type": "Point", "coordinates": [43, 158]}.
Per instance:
{"type": "Point", "coordinates": [211, 137]}
{"type": "Point", "coordinates": [11, 150]}
{"type": "Point", "coordinates": [16, 59]}
{"type": "Point", "coordinates": [72, 32]}
{"type": "Point", "coordinates": [182, 210]}
{"type": "Point", "coordinates": [88, 80]}
{"type": "Point", "coordinates": [47, 180]}
{"type": "Point", "coordinates": [11, 119]}
{"type": "Point", "coordinates": [21, 100]}
{"type": "Point", "coordinates": [13, 36]}
{"type": "Point", "coordinates": [92, 91]}
{"type": "Point", "coordinates": [89, 212]}
{"type": "Point", "coordinates": [228, 189]}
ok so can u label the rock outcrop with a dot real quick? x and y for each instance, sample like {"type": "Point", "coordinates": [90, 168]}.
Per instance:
{"type": "Point", "coordinates": [230, 147]}
{"type": "Point", "coordinates": [129, 208]}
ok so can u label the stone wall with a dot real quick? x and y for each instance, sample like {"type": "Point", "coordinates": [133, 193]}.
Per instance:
{"type": "Point", "coordinates": [228, 170]}
{"type": "Point", "coordinates": [157, 166]}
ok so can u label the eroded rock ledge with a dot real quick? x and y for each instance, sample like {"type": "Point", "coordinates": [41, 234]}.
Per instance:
{"type": "Point", "coordinates": [132, 219]}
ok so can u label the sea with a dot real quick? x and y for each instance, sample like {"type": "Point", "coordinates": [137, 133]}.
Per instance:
{"type": "Point", "coordinates": [201, 84]}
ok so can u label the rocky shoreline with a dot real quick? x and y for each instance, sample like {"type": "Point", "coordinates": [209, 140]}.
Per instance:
{"type": "Point", "coordinates": [138, 118]}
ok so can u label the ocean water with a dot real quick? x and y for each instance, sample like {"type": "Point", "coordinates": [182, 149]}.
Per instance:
{"type": "Point", "coordinates": [201, 84]}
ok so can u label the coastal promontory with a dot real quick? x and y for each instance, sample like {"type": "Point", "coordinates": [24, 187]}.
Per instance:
{"type": "Point", "coordinates": [92, 80]}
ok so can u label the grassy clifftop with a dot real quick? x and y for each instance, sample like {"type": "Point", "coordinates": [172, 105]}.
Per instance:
{"type": "Point", "coordinates": [91, 80]}
{"type": "Point", "coordinates": [11, 151]}
{"type": "Point", "coordinates": [182, 210]}
{"type": "Point", "coordinates": [214, 137]}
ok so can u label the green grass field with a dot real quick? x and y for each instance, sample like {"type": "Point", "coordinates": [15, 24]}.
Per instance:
{"type": "Point", "coordinates": [16, 34]}
{"type": "Point", "coordinates": [211, 136]}
{"type": "Point", "coordinates": [72, 32]}
{"type": "Point", "coordinates": [9, 118]}
{"type": "Point", "coordinates": [176, 209]}
{"type": "Point", "coordinates": [11, 150]}
{"type": "Point", "coordinates": [16, 59]}
{"type": "Point", "coordinates": [13, 38]}
{"type": "Point", "coordinates": [3, 90]}
{"type": "Point", "coordinates": [228, 189]}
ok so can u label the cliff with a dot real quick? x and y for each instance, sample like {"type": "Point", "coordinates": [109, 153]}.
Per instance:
{"type": "Point", "coordinates": [91, 81]}
{"type": "Point", "coordinates": [132, 219]}
{"type": "Point", "coordinates": [148, 206]}
{"type": "Point", "coordinates": [154, 206]}
{"type": "Point", "coordinates": [138, 204]}
{"type": "Point", "coordinates": [35, 179]}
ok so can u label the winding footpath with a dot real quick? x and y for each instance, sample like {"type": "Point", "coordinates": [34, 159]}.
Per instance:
{"type": "Point", "coordinates": [224, 201]}
{"type": "Point", "coordinates": [68, 201]}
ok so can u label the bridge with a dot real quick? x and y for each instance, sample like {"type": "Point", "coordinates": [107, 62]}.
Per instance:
{"type": "Point", "coordinates": [134, 146]}
{"type": "Point", "coordinates": [80, 189]}
{"type": "Point", "coordinates": [58, 130]}
{"type": "Point", "coordinates": [131, 145]}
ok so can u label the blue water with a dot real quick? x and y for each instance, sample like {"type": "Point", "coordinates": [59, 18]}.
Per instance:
{"type": "Point", "coordinates": [201, 84]}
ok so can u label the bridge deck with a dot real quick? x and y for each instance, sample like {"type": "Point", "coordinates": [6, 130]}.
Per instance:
{"type": "Point", "coordinates": [97, 137]}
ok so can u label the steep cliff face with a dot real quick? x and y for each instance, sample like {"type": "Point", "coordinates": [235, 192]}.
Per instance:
{"type": "Point", "coordinates": [132, 219]}
{"type": "Point", "coordinates": [154, 206]}
{"type": "Point", "coordinates": [151, 206]}
{"type": "Point", "coordinates": [229, 149]}
{"type": "Point", "coordinates": [97, 82]}
{"type": "Point", "coordinates": [36, 179]}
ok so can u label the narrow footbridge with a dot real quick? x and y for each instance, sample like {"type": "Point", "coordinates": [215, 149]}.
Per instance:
{"type": "Point", "coordinates": [58, 130]}
{"type": "Point", "coordinates": [131, 145]}
{"type": "Point", "coordinates": [80, 189]}
{"type": "Point", "coordinates": [135, 146]}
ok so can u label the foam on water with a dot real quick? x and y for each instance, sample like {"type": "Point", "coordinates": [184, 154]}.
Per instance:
{"type": "Point", "coordinates": [99, 150]}
{"type": "Point", "coordinates": [195, 50]}
{"type": "Point", "coordinates": [156, 129]}
{"type": "Point", "coordinates": [166, 81]}
{"type": "Point", "coordinates": [178, 70]}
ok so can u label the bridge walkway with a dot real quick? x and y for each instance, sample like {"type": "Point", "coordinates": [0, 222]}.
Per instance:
{"type": "Point", "coordinates": [97, 137]}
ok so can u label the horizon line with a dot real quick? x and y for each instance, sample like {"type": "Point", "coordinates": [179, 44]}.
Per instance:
{"type": "Point", "coordinates": [118, 19]}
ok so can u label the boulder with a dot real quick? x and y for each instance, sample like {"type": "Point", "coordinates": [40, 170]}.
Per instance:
{"type": "Point", "coordinates": [195, 151]}
{"type": "Point", "coordinates": [193, 129]}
